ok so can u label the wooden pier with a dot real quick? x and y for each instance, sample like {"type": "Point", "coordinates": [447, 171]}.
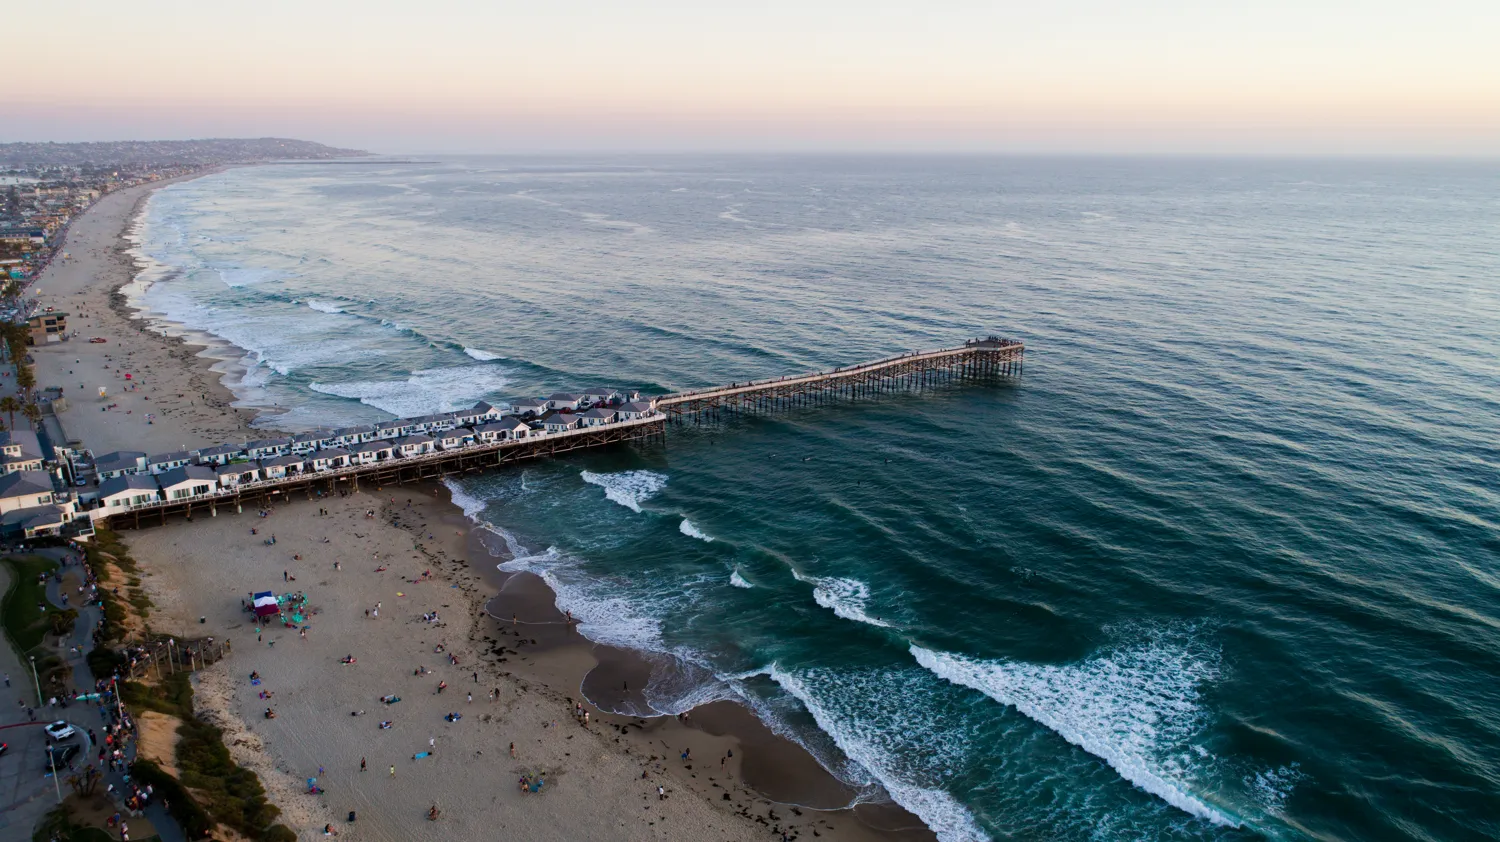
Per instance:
{"type": "Point", "coordinates": [980, 360]}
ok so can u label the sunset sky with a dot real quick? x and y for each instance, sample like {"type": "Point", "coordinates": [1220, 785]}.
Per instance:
{"type": "Point", "coordinates": [1275, 76]}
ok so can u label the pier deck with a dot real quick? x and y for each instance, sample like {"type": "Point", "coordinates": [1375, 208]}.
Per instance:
{"type": "Point", "coordinates": [980, 358]}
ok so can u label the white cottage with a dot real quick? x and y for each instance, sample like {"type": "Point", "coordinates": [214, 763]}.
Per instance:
{"type": "Point", "coordinates": [127, 492]}
{"type": "Point", "coordinates": [236, 474]}
{"type": "Point", "coordinates": [187, 483]}
{"type": "Point", "coordinates": [330, 458]}
{"type": "Point", "coordinates": [597, 417]}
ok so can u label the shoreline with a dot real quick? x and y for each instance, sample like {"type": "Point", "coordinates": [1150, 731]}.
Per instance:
{"type": "Point", "coordinates": [600, 775]}
{"type": "Point", "coordinates": [176, 378]}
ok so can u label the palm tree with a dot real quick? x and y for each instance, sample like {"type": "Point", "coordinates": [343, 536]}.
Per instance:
{"type": "Point", "coordinates": [9, 405]}
{"type": "Point", "coordinates": [33, 414]}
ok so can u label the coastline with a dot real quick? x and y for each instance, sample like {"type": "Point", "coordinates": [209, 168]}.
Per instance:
{"type": "Point", "coordinates": [177, 378]}
{"type": "Point", "coordinates": [177, 375]}
{"type": "Point", "coordinates": [602, 778]}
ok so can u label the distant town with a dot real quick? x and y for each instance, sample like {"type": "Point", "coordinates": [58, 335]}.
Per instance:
{"type": "Point", "coordinates": [43, 186]}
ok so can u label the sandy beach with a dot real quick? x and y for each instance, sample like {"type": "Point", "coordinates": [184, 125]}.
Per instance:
{"type": "Point", "coordinates": [171, 378]}
{"type": "Point", "coordinates": [401, 599]}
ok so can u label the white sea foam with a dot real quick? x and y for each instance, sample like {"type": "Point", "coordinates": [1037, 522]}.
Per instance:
{"type": "Point", "coordinates": [1136, 708]}
{"type": "Point", "coordinates": [950, 820]}
{"type": "Point", "coordinates": [847, 598]}
{"type": "Point", "coordinates": [471, 505]}
{"type": "Point", "coordinates": [739, 581]}
{"type": "Point", "coordinates": [426, 391]}
{"type": "Point", "coordinates": [324, 306]}
{"type": "Point", "coordinates": [628, 488]}
{"type": "Point", "coordinates": [482, 356]}
{"type": "Point", "coordinates": [687, 528]}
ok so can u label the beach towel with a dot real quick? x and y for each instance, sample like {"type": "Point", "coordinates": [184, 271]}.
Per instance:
{"type": "Point", "coordinates": [421, 754]}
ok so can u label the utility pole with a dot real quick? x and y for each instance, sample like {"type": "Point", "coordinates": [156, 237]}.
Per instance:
{"type": "Point", "coordinates": [36, 680]}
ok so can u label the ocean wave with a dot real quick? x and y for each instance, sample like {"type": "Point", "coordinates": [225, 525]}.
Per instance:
{"type": "Point", "coordinates": [739, 581]}
{"type": "Point", "coordinates": [880, 748]}
{"type": "Point", "coordinates": [470, 504]}
{"type": "Point", "coordinates": [423, 392]}
{"type": "Point", "coordinates": [482, 356]}
{"type": "Point", "coordinates": [687, 528]}
{"type": "Point", "coordinates": [324, 306]}
{"type": "Point", "coordinates": [847, 598]}
{"type": "Point", "coordinates": [628, 488]}
{"type": "Point", "coordinates": [1136, 708]}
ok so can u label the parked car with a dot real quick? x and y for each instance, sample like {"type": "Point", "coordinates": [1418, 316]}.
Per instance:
{"type": "Point", "coordinates": [58, 756]}
{"type": "Point", "coordinates": [60, 730]}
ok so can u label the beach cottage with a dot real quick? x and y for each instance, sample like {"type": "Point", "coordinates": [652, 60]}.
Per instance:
{"type": "Point", "coordinates": [482, 413]}
{"type": "Point", "coordinates": [289, 465]}
{"type": "Point", "coordinates": [635, 409]}
{"type": "Point", "coordinates": [236, 474]}
{"type": "Point", "coordinates": [598, 395]}
{"type": "Point", "coordinates": [120, 462]}
{"type": "Point", "coordinates": [528, 407]}
{"type": "Point", "coordinates": [348, 436]}
{"type": "Point", "coordinates": [24, 490]}
{"type": "Point", "coordinates": [221, 454]}
{"type": "Point", "coordinates": [559, 422]}
{"type": "Point", "coordinates": [187, 482]}
{"type": "Point", "coordinates": [126, 492]}
{"type": "Point", "coordinates": [163, 462]}
{"type": "Point", "coordinates": [563, 400]}
{"type": "Point", "coordinates": [330, 458]}
{"type": "Point", "coordinates": [597, 417]}
{"type": "Point", "coordinates": [369, 452]}
{"type": "Point", "coordinates": [20, 451]}
{"type": "Point", "coordinates": [414, 445]}
{"type": "Point", "coordinates": [36, 522]}
{"type": "Point", "coordinates": [394, 429]}
{"type": "Point", "coordinates": [305, 443]}
{"type": "Point", "coordinates": [267, 448]}
{"type": "Point", "coordinates": [455, 438]}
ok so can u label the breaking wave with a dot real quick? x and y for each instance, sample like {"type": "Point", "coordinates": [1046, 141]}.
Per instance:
{"type": "Point", "coordinates": [1136, 708]}
{"type": "Point", "coordinates": [324, 306]}
{"type": "Point", "coordinates": [423, 392]}
{"type": "Point", "coordinates": [687, 528]}
{"type": "Point", "coordinates": [739, 581]}
{"type": "Point", "coordinates": [844, 597]}
{"type": "Point", "coordinates": [482, 356]}
{"type": "Point", "coordinates": [628, 488]}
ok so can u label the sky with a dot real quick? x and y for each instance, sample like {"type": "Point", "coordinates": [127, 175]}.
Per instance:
{"type": "Point", "coordinates": [1062, 76]}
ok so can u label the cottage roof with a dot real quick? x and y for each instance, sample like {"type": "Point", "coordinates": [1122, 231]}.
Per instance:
{"type": "Point", "coordinates": [119, 460]}
{"type": "Point", "coordinates": [26, 439]}
{"type": "Point", "coordinates": [395, 424]}
{"type": "Point", "coordinates": [235, 469]}
{"type": "Point", "coordinates": [222, 450]}
{"type": "Point", "coordinates": [312, 436]}
{"type": "Point", "coordinates": [129, 482]}
{"type": "Point", "coordinates": [21, 483]}
{"type": "Point", "coordinates": [416, 438]}
{"type": "Point", "coordinates": [186, 474]}
{"type": "Point", "coordinates": [600, 392]}
{"type": "Point", "coordinates": [282, 461]}
{"type": "Point", "coordinates": [330, 453]}
{"type": "Point", "coordinates": [563, 396]}
{"type": "Point", "coordinates": [369, 446]}
{"type": "Point", "coordinates": [481, 408]}
{"type": "Point", "coordinates": [560, 419]}
{"type": "Point", "coordinates": [600, 413]}
{"type": "Point", "coordinates": [357, 429]}
{"type": "Point", "coordinates": [636, 406]}
{"type": "Point", "coordinates": [174, 456]}
{"type": "Point", "coordinates": [34, 517]}
{"type": "Point", "coordinates": [282, 442]}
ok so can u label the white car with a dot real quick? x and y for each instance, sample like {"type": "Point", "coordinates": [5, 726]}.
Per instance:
{"type": "Point", "coordinates": [60, 730]}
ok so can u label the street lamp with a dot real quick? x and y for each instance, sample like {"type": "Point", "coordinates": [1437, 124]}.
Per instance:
{"type": "Point", "coordinates": [38, 681]}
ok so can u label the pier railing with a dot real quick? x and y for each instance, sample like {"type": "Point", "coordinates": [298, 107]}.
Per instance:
{"type": "Point", "coordinates": [993, 356]}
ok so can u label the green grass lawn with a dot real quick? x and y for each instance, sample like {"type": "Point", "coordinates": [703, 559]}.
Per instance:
{"type": "Point", "coordinates": [24, 625]}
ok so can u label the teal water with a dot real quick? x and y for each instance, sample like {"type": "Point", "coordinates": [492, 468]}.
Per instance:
{"type": "Point", "coordinates": [1221, 565]}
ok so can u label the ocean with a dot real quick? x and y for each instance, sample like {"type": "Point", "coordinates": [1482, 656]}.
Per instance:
{"type": "Point", "coordinates": [1223, 564]}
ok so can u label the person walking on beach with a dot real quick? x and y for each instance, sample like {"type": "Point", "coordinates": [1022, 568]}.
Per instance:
{"type": "Point", "coordinates": [361, 764]}
{"type": "Point", "coordinates": [393, 771]}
